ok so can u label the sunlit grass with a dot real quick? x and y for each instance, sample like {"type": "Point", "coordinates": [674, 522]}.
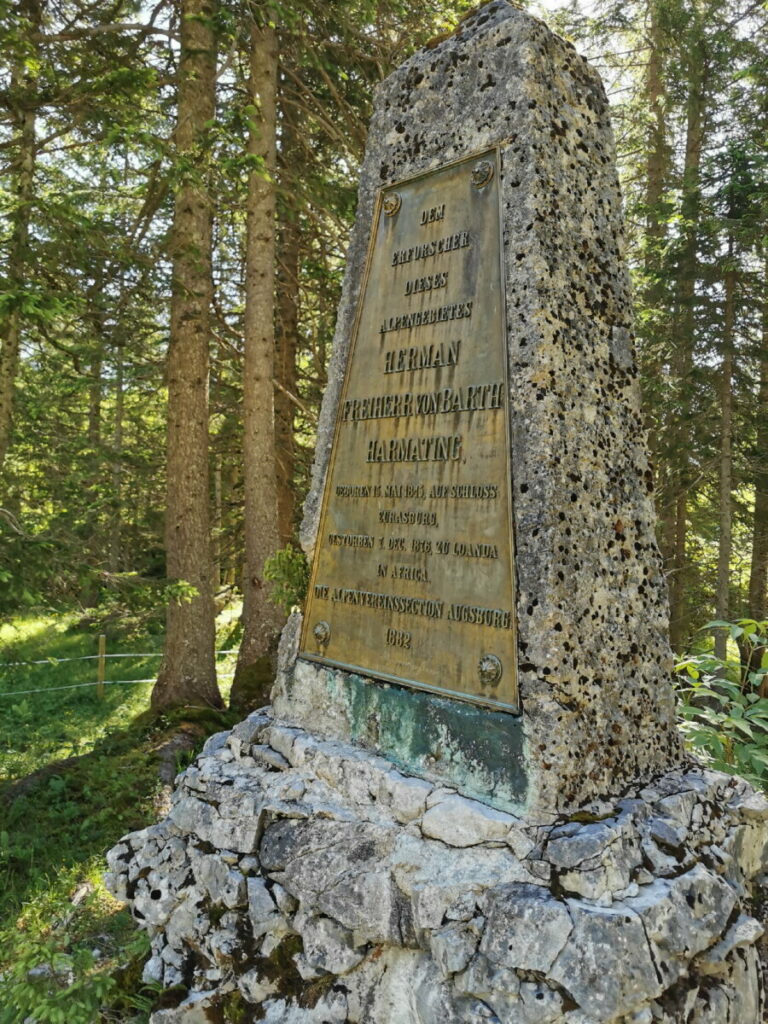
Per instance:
{"type": "Point", "coordinates": [51, 723]}
{"type": "Point", "coordinates": [58, 818]}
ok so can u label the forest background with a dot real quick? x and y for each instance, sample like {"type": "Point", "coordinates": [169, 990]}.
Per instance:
{"type": "Point", "coordinates": [178, 183]}
{"type": "Point", "coordinates": [178, 186]}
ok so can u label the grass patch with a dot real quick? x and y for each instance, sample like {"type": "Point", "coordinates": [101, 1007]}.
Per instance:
{"type": "Point", "coordinates": [40, 727]}
{"type": "Point", "coordinates": [76, 773]}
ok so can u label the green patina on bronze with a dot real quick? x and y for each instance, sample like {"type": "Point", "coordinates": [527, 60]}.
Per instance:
{"type": "Point", "coordinates": [479, 752]}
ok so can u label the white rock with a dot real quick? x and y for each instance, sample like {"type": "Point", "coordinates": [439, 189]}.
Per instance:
{"type": "Point", "coordinates": [406, 797]}
{"type": "Point", "coordinates": [255, 988]}
{"type": "Point", "coordinates": [262, 911]}
{"type": "Point", "coordinates": [683, 916]}
{"type": "Point", "coordinates": [194, 1010]}
{"type": "Point", "coordinates": [458, 821]}
{"type": "Point", "coordinates": [329, 947]}
{"type": "Point", "coordinates": [526, 927]}
{"type": "Point", "coordinates": [745, 931]}
{"type": "Point", "coordinates": [606, 964]}
{"type": "Point", "coordinates": [154, 900]}
{"type": "Point", "coordinates": [222, 884]}
{"type": "Point", "coordinates": [264, 754]}
{"type": "Point", "coordinates": [497, 986]}
{"type": "Point", "coordinates": [249, 730]}
{"type": "Point", "coordinates": [215, 743]}
{"type": "Point", "coordinates": [238, 830]}
{"type": "Point", "coordinates": [520, 843]}
{"type": "Point", "coordinates": [153, 970]}
{"type": "Point", "coordinates": [331, 1009]}
{"type": "Point", "coordinates": [187, 921]}
{"type": "Point", "coordinates": [453, 947]}
{"type": "Point", "coordinates": [439, 794]}
{"type": "Point", "coordinates": [539, 1004]}
{"type": "Point", "coordinates": [284, 900]}
{"type": "Point", "coordinates": [281, 738]}
{"type": "Point", "coordinates": [678, 807]}
{"type": "Point", "coordinates": [273, 938]}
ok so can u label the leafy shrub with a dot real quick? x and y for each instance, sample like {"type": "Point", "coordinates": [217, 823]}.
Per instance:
{"type": "Point", "coordinates": [723, 712]}
{"type": "Point", "coordinates": [289, 571]}
{"type": "Point", "coordinates": [131, 606]}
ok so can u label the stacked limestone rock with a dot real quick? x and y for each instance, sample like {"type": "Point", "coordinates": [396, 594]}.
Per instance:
{"type": "Point", "coordinates": [304, 881]}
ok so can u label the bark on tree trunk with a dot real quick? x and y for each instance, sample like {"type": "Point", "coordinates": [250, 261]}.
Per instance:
{"type": "Point", "coordinates": [657, 170]}
{"type": "Point", "coordinates": [22, 103]}
{"type": "Point", "coordinates": [758, 574]}
{"type": "Point", "coordinates": [285, 373]}
{"type": "Point", "coordinates": [658, 159]}
{"type": "Point", "coordinates": [115, 526]}
{"type": "Point", "coordinates": [218, 520]}
{"type": "Point", "coordinates": [684, 340]}
{"type": "Point", "coordinates": [94, 405]}
{"type": "Point", "coordinates": [261, 619]}
{"type": "Point", "coordinates": [677, 619]}
{"type": "Point", "coordinates": [722, 603]}
{"type": "Point", "coordinates": [188, 671]}
{"type": "Point", "coordinates": [758, 571]}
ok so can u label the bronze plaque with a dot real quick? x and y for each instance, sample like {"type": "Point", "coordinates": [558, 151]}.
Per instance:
{"type": "Point", "coordinates": [413, 578]}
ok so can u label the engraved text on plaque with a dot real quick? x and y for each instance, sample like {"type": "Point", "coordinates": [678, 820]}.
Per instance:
{"type": "Point", "coordinates": [413, 578]}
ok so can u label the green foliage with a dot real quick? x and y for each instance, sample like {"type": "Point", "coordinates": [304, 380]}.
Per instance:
{"type": "Point", "coordinates": [724, 715]}
{"type": "Point", "coordinates": [22, 566]}
{"type": "Point", "coordinates": [54, 984]}
{"type": "Point", "coordinates": [289, 571]}
{"type": "Point", "coordinates": [78, 773]}
{"type": "Point", "coordinates": [129, 607]}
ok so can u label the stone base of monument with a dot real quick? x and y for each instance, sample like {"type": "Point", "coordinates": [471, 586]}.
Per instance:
{"type": "Point", "coordinates": [305, 881]}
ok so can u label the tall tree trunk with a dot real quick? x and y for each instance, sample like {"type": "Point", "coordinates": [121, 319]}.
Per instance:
{"type": "Point", "coordinates": [758, 570]}
{"type": "Point", "coordinates": [286, 344]}
{"type": "Point", "coordinates": [725, 516]}
{"type": "Point", "coordinates": [658, 154]}
{"type": "Point", "coordinates": [95, 371]}
{"type": "Point", "coordinates": [654, 298]}
{"type": "Point", "coordinates": [218, 520]}
{"type": "Point", "coordinates": [94, 405]}
{"type": "Point", "coordinates": [22, 100]}
{"type": "Point", "coordinates": [685, 335]}
{"type": "Point", "coordinates": [261, 619]}
{"type": "Point", "coordinates": [758, 573]}
{"type": "Point", "coordinates": [115, 525]}
{"type": "Point", "coordinates": [188, 671]}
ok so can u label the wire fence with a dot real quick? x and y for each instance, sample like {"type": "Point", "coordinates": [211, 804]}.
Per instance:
{"type": "Point", "coordinates": [91, 657]}
{"type": "Point", "coordinates": [101, 682]}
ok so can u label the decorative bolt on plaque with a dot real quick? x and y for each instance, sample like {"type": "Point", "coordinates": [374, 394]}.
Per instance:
{"type": "Point", "coordinates": [489, 669]}
{"type": "Point", "coordinates": [392, 203]}
{"type": "Point", "coordinates": [322, 633]}
{"type": "Point", "coordinates": [482, 173]}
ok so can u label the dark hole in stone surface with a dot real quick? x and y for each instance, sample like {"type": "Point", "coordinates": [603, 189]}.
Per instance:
{"type": "Point", "coordinates": [155, 894]}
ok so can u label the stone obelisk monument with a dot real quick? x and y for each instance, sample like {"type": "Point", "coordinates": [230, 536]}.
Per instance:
{"type": "Point", "coordinates": [469, 801]}
{"type": "Point", "coordinates": [505, 101]}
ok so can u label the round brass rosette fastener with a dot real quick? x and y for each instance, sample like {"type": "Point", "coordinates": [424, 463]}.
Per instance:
{"type": "Point", "coordinates": [392, 203]}
{"type": "Point", "coordinates": [489, 669]}
{"type": "Point", "coordinates": [482, 173]}
{"type": "Point", "coordinates": [322, 633]}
